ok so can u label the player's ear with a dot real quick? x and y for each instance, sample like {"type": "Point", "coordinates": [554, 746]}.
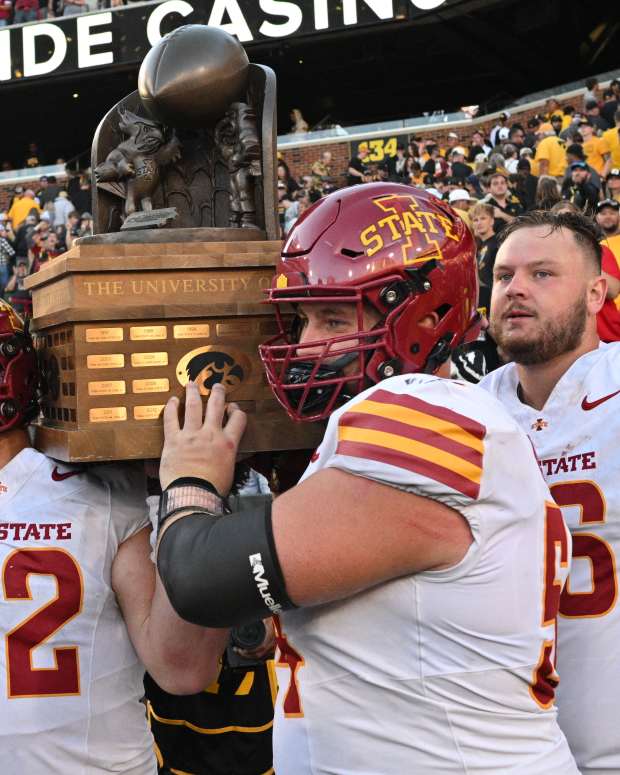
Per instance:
{"type": "Point", "coordinates": [430, 320]}
{"type": "Point", "coordinates": [597, 292]}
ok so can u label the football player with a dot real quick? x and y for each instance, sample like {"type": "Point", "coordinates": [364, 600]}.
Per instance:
{"type": "Point", "coordinates": [563, 388]}
{"type": "Point", "coordinates": [81, 609]}
{"type": "Point", "coordinates": [415, 571]}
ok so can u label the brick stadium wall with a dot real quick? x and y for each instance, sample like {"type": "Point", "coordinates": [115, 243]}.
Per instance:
{"type": "Point", "coordinates": [300, 160]}
{"type": "Point", "coordinates": [6, 191]}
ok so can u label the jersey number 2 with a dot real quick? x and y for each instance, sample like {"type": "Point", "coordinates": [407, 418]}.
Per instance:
{"type": "Point", "coordinates": [24, 680]}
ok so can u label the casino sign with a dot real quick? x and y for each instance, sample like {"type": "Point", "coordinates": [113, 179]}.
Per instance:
{"type": "Point", "coordinates": [124, 35]}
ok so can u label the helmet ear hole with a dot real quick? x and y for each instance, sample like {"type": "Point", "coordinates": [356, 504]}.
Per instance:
{"type": "Point", "coordinates": [442, 311]}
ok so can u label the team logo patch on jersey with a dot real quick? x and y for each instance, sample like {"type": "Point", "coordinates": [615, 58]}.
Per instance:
{"type": "Point", "coordinates": [409, 433]}
{"type": "Point", "coordinates": [539, 424]}
{"type": "Point", "coordinates": [3, 488]}
{"type": "Point", "coordinates": [208, 366]}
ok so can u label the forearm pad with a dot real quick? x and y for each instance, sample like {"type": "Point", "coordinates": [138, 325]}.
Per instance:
{"type": "Point", "coordinates": [222, 571]}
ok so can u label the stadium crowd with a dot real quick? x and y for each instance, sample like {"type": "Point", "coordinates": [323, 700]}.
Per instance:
{"type": "Point", "coordinates": [560, 158]}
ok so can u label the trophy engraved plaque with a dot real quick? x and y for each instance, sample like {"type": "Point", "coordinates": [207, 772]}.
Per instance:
{"type": "Point", "coordinates": [170, 287]}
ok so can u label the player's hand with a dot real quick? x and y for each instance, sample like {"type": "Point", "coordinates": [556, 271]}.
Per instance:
{"type": "Point", "coordinates": [204, 449]}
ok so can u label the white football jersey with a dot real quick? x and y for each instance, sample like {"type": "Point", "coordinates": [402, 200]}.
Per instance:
{"type": "Point", "coordinates": [576, 440]}
{"type": "Point", "coordinates": [70, 702]}
{"type": "Point", "coordinates": [440, 672]}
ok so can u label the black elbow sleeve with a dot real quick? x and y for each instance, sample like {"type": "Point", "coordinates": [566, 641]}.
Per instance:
{"type": "Point", "coordinates": [222, 571]}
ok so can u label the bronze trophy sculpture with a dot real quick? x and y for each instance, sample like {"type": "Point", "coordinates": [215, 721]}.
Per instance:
{"type": "Point", "coordinates": [169, 287]}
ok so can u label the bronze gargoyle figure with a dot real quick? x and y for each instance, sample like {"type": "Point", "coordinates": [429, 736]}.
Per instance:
{"type": "Point", "coordinates": [135, 164]}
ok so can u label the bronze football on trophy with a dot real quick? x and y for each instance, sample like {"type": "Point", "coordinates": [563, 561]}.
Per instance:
{"type": "Point", "coordinates": [192, 75]}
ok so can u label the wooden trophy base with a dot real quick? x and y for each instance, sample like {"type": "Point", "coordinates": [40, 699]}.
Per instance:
{"type": "Point", "coordinates": [121, 327]}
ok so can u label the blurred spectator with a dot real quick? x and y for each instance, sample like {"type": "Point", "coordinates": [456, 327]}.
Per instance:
{"type": "Point", "coordinates": [7, 254]}
{"type": "Point", "coordinates": [86, 225]}
{"type": "Point", "coordinates": [74, 7]}
{"type": "Point", "coordinates": [461, 200]}
{"type": "Point", "coordinates": [301, 204]}
{"type": "Point", "coordinates": [23, 235]}
{"type": "Point", "coordinates": [608, 218]}
{"type": "Point", "coordinates": [516, 136]}
{"type": "Point", "coordinates": [26, 11]}
{"type": "Point", "coordinates": [452, 141]}
{"type": "Point", "coordinates": [548, 192]}
{"type": "Point", "coordinates": [397, 170]}
{"type": "Point", "coordinates": [553, 109]}
{"type": "Point", "coordinates": [500, 132]}
{"type": "Point", "coordinates": [48, 190]}
{"type": "Point", "coordinates": [579, 190]}
{"type": "Point", "coordinates": [21, 207]}
{"type": "Point", "coordinates": [592, 145]}
{"type": "Point", "coordinates": [610, 147]}
{"type": "Point", "coordinates": [70, 230]}
{"type": "Point", "coordinates": [323, 172]}
{"type": "Point", "coordinates": [79, 191]}
{"type": "Point", "coordinates": [33, 159]}
{"type": "Point", "coordinates": [608, 318]}
{"type": "Point", "coordinates": [511, 158]}
{"type": "Point", "coordinates": [593, 112]}
{"type": "Point", "coordinates": [506, 206]}
{"type": "Point", "coordinates": [609, 106]}
{"type": "Point", "coordinates": [533, 128]}
{"type": "Point", "coordinates": [358, 166]}
{"type": "Point", "coordinates": [526, 184]}
{"type": "Point", "coordinates": [459, 169]}
{"type": "Point", "coordinates": [284, 202]}
{"type": "Point", "coordinates": [612, 187]}
{"type": "Point", "coordinates": [557, 123]}
{"type": "Point", "coordinates": [482, 219]}
{"type": "Point", "coordinates": [299, 125]}
{"type": "Point", "coordinates": [436, 166]}
{"type": "Point", "coordinates": [17, 296]}
{"type": "Point", "coordinates": [478, 145]}
{"type": "Point", "coordinates": [6, 11]}
{"type": "Point", "coordinates": [62, 207]}
{"type": "Point", "coordinates": [592, 90]}
{"type": "Point", "coordinates": [48, 249]}
{"type": "Point", "coordinates": [284, 176]}
{"type": "Point", "coordinates": [575, 153]}
{"type": "Point", "coordinates": [551, 156]}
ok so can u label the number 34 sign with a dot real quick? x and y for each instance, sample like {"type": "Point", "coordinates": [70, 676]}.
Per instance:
{"type": "Point", "coordinates": [379, 148]}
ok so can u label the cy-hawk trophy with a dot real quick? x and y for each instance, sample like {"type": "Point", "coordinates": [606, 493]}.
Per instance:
{"type": "Point", "coordinates": [169, 287]}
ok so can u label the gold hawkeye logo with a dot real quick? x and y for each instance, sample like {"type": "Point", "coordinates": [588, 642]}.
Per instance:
{"type": "Point", "coordinates": [208, 366]}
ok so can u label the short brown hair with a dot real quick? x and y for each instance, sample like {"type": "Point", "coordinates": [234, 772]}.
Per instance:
{"type": "Point", "coordinates": [585, 232]}
{"type": "Point", "coordinates": [482, 208]}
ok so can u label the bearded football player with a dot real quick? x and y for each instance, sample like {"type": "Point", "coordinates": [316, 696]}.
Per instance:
{"type": "Point", "coordinates": [563, 387]}
{"type": "Point", "coordinates": [414, 573]}
{"type": "Point", "coordinates": [82, 610]}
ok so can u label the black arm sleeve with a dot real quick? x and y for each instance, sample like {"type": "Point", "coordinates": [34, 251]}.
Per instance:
{"type": "Point", "coordinates": [222, 571]}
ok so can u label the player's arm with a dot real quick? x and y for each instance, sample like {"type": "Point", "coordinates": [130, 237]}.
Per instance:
{"type": "Point", "coordinates": [181, 657]}
{"type": "Point", "coordinates": [331, 536]}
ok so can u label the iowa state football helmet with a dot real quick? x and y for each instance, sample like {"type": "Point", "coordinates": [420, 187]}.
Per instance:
{"type": "Point", "coordinates": [388, 247]}
{"type": "Point", "coordinates": [18, 371]}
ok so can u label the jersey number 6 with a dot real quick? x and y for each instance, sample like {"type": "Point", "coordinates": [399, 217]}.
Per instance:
{"type": "Point", "coordinates": [24, 680]}
{"type": "Point", "coordinates": [602, 596]}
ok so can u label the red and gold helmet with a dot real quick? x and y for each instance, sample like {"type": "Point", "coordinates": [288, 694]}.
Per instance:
{"type": "Point", "coordinates": [18, 371]}
{"type": "Point", "coordinates": [395, 249]}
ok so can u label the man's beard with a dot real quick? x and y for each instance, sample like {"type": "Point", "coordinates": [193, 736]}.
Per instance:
{"type": "Point", "coordinates": [558, 336]}
{"type": "Point", "coordinates": [610, 231]}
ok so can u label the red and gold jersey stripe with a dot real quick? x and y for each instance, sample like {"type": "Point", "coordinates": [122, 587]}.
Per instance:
{"type": "Point", "coordinates": [407, 432]}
